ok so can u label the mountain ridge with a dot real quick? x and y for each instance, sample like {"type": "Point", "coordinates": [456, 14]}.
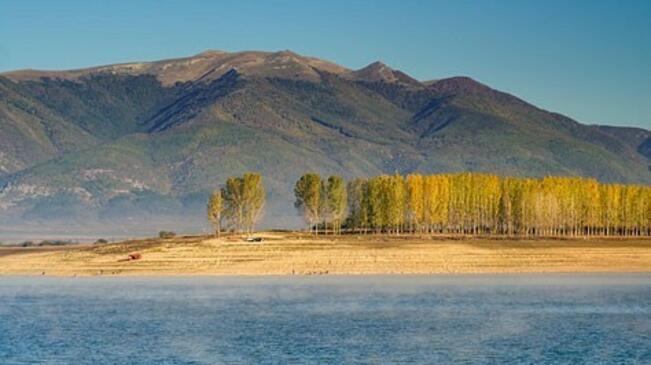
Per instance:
{"type": "Point", "coordinates": [152, 139]}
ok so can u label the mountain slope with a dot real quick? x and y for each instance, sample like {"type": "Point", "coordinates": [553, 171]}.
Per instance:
{"type": "Point", "coordinates": [518, 136]}
{"type": "Point", "coordinates": [153, 139]}
{"type": "Point", "coordinates": [30, 132]}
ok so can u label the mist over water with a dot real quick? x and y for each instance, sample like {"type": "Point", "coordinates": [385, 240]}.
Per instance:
{"type": "Point", "coordinates": [18, 231]}
{"type": "Point", "coordinates": [505, 319]}
{"type": "Point", "coordinates": [87, 230]}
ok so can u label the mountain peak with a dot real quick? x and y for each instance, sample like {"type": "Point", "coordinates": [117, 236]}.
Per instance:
{"type": "Point", "coordinates": [380, 72]}
{"type": "Point", "coordinates": [457, 84]}
{"type": "Point", "coordinates": [210, 53]}
{"type": "Point", "coordinates": [377, 65]}
{"type": "Point", "coordinates": [463, 85]}
{"type": "Point", "coordinates": [285, 57]}
{"type": "Point", "coordinates": [287, 53]}
{"type": "Point", "coordinates": [376, 71]}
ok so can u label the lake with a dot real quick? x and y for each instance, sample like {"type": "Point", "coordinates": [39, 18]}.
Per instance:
{"type": "Point", "coordinates": [468, 319]}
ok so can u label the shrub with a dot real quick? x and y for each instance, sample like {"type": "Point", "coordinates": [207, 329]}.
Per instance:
{"type": "Point", "coordinates": [55, 243]}
{"type": "Point", "coordinates": [166, 234]}
{"type": "Point", "coordinates": [101, 241]}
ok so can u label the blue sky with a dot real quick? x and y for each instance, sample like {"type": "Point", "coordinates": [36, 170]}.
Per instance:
{"type": "Point", "coordinates": [590, 60]}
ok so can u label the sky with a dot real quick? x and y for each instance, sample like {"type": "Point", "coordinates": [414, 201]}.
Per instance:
{"type": "Point", "coordinates": [590, 60]}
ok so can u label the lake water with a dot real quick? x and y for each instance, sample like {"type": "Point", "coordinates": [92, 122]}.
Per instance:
{"type": "Point", "coordinates": [508, 319]}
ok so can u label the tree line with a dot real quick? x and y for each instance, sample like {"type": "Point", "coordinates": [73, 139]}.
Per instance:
{"type": "Point", "coordinates": [475, 203]}
{"type": "Point", "coordinates": [459, 203]}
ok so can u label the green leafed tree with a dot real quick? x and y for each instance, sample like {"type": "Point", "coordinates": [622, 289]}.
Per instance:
{"type": "Point", "coordinates": [308, 198]}
{"type": "Point", "coordinates": [243, 200]}
{"type": "Point", "coordinates": [215, 207]}
{"type": "Point", "coordinates": [357, 206]}
{"type": "Point", "coordinates": [336, 201]}
{"type": "Point", "coordinates": [233, 203]}
{"type": "Point", "coordinates": [253, 200]}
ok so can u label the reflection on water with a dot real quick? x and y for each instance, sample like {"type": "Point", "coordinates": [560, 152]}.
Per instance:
{"type": "Point", "coordinates": [512, 319]}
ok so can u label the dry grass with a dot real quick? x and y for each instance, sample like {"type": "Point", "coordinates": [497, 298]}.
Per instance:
{"type": "Point", "coordinates": [290, 253]}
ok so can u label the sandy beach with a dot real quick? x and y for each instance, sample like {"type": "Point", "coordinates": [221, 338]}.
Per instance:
{"type": "Point", "coordinates": [301, 254]}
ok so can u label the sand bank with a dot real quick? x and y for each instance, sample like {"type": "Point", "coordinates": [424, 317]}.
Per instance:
{"type": "Point", "coordinates": [300, 254]}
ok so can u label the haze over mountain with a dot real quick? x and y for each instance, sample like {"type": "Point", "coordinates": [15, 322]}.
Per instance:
{"type": "Point", "coordinates": [149, 141]}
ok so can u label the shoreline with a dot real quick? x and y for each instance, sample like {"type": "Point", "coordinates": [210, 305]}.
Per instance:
{"type": "Point", "coordinates": [288, 254]}
{"type": "Point", "coordinates": [459, 275]}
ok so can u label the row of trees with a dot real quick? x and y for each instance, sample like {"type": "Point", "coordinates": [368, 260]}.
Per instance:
{"type": "Point", "coordinates": [463, 203]}
{"type": "Point", "coordinates": [238, 205]}
{"type": "Point", "coordinates": [322, 201]}
{"type": "Point", "coordinates": [471, 203]}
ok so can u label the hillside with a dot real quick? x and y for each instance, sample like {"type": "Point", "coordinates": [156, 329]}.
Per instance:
{"type": "Point", "coordinates": [144, 140]}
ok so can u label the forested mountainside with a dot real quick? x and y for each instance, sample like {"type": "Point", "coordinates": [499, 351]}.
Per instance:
{"type": "Point", "coordinates": [147, 140]}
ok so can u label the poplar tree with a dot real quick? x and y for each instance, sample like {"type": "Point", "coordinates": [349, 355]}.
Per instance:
{"type": "Point", "coordinates": [357, 212]}
{"type": "Point", "coordinates": [308, 198]}
{"type": "Point", "coordinates": [376, 203]}
{"type": "Point", "coordinates": [415, 201]}
{"type": "Point", "coordinates": [336, 201]}
{"type": "Point", "coordinates": [395, 194]}
{"type": "Point", "coordinates": [243, 200]}
{"type": "Point", "coordinates": [253, 199]}
{"type": "Point", "coordinates": [233, 203]}
{"type": "Point", "coordinates": [215, 207]}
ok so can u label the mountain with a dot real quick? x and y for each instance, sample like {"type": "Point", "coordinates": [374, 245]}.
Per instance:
{"type": "Point", "coordinates": [145, 141]}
